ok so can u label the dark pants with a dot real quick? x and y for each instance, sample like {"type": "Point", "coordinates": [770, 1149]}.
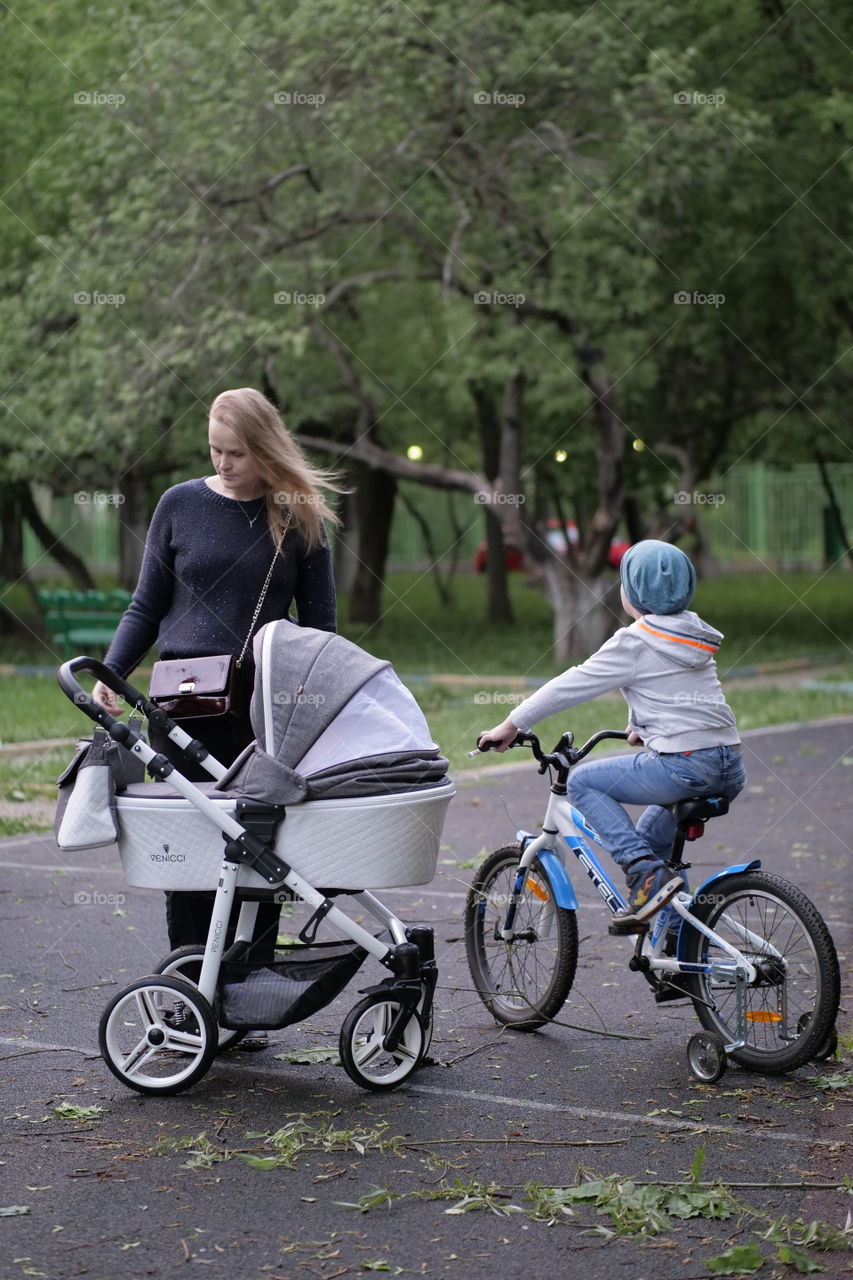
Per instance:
{"type": "Point", "coordinates": [188, 914]}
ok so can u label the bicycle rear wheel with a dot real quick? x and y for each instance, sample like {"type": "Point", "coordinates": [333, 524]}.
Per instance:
{"type": "Point", "coordinates": [523, 981]}
{"type": "Point", "coordinates": [791, 1009]}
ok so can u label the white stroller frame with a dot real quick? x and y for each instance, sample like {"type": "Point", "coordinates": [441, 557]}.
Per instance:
{"type": "Point", "coordinates": [383, 1039]}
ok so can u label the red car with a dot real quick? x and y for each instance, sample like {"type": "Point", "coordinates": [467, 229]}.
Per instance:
{"type": "Point", "coordinates": [513, 559]}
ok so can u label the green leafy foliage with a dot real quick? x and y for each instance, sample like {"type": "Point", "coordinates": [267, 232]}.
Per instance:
{"type": "Point", "coordinates": [77, 1112]}
{"type": "Point", "coordinates": [740, 1260]}
{"type": "Point", "coordinates": [451, 152]}
{"type": "Point", "coordinates": [633, 1208]}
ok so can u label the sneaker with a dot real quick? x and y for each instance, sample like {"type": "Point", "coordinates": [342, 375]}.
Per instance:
{"type": "Point", "coordinates": [253, 1041]}
{"type": "Point", "coordinates": [650, 886]}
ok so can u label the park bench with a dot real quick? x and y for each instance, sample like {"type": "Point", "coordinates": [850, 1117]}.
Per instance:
{"type": "Point", "coordinates": [81, 621]}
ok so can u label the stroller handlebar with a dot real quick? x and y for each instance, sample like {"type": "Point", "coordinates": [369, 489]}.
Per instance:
{"type": "Point", "coordinates": [71, 687]}
{"type": "Point", "coordinates": [158, 765]}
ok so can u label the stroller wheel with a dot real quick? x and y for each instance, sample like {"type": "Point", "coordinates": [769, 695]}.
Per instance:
{"type": "Point", "coordinates": [158, 1035]}
{"type": "Point", "coordinates": [365, 1058]}
{"type": "Point", "coordinates": [185, 962]}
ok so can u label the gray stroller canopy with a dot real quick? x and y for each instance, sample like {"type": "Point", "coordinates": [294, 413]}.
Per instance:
{"type": "Point", "coordinates": [330, 720]}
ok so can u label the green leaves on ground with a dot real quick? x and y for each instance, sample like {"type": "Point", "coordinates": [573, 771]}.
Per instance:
{"type": "Point", "coordinates": [633, 1208]}
{"type": "Point", "coordinates": [740, 1260]}
{"type": "Point", "coordinates": [73, 1111]}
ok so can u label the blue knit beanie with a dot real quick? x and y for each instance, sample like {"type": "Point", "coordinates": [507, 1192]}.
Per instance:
{"type": "Point", "coordinates": [657, 577]}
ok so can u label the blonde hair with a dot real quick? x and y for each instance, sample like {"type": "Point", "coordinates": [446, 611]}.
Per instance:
{"type": "Point", "coordinates": [294, 487]}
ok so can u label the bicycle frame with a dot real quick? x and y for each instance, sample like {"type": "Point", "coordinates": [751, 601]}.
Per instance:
{"type": "Point", "coordinates": [565, 822]}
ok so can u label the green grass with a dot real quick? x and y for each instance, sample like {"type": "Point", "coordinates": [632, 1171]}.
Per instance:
{"type": "Point", "coordinates": [764, 618]}
{"type": "Point", "coordinates": [455, 719]}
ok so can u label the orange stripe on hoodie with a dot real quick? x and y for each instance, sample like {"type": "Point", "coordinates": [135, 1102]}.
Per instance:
{"type": "Point", "coordinates": [666, 635]}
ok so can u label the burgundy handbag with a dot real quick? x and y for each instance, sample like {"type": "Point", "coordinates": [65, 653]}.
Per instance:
{"type": "Point", "coordinates": [187, 688]}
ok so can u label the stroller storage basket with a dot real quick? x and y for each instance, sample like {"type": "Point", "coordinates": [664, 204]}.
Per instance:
{"type": "Point", "coordinates": [364, 842]}
{"type": "Point", "coordinates": [299, 982]}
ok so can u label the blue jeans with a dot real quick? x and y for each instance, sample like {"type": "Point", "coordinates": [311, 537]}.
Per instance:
{"type": "Point", "coordinates": [600, 788]}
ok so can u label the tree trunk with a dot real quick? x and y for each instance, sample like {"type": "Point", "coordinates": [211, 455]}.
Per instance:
{"type": "Point", "coordinates": [346, 544]}
{"type": "Point", "coordinates": [12, 559]}
{"type": "Point", "coordinates": [53, 545]}
{"type": "Point", "coordinates": [836, 514]}
{"type": "Point", "coordinates": [11, 534]}
{"type": "Point", "coordinates": [375, 493]}
{"type": "Point", "coordinates": [430, 548]}
{"type": "Point", "coordinates": [499, 605]}
{"type": "Point", "coordinates": [585, 593]}
{"type": "Point", "coordinates": [586, 611]}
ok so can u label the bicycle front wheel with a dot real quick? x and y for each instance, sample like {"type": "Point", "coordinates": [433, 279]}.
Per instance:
{"type": "Point", "coordinates": [790, 1010]}
{"type": "Point", "coordinates": [523, 980]}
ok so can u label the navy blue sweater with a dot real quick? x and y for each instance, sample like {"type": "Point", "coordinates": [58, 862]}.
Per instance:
{"type": "Point", "coordinates": [202, 572]}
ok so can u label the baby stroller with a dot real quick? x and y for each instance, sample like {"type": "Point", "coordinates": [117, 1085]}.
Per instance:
{"type": "Point", "coordinates": [342, 792]}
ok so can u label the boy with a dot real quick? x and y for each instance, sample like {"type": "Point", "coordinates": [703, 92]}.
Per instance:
{"type": "Point", "coordinates": [664, 667]}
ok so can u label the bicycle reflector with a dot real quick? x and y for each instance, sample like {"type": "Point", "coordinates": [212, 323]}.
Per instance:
{"type": "Point", "coordinates": [538, 891]}
{"type": "Point", "coordinates": [762, 1015]}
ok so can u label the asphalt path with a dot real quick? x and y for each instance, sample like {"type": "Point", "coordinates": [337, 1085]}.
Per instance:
{"type": "Point", "coordinates": [112, 1195]}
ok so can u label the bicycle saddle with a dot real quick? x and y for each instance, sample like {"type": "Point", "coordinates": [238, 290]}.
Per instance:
{"type": "Point", "coordinates": [689, 811]}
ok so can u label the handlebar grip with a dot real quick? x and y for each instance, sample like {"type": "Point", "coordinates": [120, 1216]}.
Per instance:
{"type": "Point", "coordinates": [69, 684]}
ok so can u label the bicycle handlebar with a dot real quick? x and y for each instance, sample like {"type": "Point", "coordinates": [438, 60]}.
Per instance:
{"type": "Point", "coordinates": [564, 755]}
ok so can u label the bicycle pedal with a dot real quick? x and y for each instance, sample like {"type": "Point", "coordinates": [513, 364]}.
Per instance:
{"type": "Point", "coordinates": [625, 928]}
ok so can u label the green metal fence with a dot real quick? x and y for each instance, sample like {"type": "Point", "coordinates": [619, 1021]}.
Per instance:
{"type": "Point", "coordinates": [755, 515]}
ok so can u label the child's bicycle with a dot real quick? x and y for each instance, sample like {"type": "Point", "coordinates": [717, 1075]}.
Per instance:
{"type": "Point", "coordinates": [751, 951]}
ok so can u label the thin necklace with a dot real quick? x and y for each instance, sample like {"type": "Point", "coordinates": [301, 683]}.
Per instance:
{"type": "Point", "coordinates": [251, 519]}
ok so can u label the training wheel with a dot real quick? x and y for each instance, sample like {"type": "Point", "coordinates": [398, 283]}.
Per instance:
{"type": "Point", "coordinates": [158, 1035]}
{"type": "Point", "coordinates": [706, 1056]}
{"type": "Point", "coordinates": [362, 1043]}
{"type": "Point", "coordinates": [827, 1048]}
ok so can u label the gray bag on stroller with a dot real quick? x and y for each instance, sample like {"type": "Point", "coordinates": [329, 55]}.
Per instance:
{"type": "Point", "coordinates": [86, 808]}
{"type": "Point", "coordinates": [85, 804]}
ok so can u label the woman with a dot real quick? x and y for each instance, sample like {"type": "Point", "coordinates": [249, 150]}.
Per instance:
{"type": "Point", "coordinates": [208, 552]}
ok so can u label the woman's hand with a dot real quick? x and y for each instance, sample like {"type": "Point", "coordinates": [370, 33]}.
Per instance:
{"type": "Point", "coordinates": [502, 735]}
{"type": "Point", "coordinates": [634, 739]}
{"type": "Point", "coordinates": [103, 694]}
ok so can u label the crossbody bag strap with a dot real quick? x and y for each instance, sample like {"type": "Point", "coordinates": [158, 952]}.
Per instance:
{"type": "Point", "coordinates": [262, 596]}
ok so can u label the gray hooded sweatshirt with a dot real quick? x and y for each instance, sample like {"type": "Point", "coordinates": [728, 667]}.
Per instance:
{"type": "Point", "coordinates": [664, 668]}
